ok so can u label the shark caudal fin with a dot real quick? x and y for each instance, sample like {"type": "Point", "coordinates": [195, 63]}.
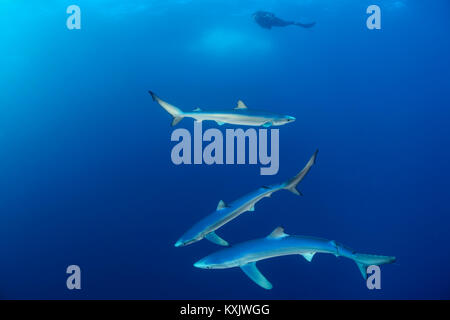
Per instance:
{"type": "Point", "coordinates": [365, 260]}
{"type": "Point", "coordinates": [292, 183]}
{"type": "Point", "coordinates": [176, 113]}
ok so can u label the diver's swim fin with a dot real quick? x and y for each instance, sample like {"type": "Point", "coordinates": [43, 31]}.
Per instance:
{"type": "Point", "coordinates": [305, 25]}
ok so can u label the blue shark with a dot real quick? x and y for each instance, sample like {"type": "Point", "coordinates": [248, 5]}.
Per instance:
{"type": "Point", "coordinates": [240, 115]}
{"type": "Point", "coordinates": [224, 213]}
{"type": "Point", "coordinates": [246, 254]}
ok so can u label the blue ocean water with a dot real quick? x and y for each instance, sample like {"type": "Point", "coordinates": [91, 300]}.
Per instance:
{"type": "Point", "coordinates": [86, 174]}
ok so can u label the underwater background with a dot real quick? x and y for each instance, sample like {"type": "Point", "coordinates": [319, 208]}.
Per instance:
{"type": "Point", "coordinates": [85, 171]}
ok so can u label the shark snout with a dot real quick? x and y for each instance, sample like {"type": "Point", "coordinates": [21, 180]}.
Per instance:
{"type": "Point", "coordinates": [201, 264]}
{"type": "Point", "coordinates": [286, 119]}
{"type": "Point", "coordinates": [183, 242]}
{"type": "Point", "coordinates": [179, 243]}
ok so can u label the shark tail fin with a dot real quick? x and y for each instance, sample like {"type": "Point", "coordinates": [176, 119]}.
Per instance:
{"type": "Point", "coordinates": [305, 25]}
{"type": "Point", "coordinates": [175, 112]}
{"type": "Point", "coordinates": [292, 183]}
{"type": "Point", "coordinates": [365, 260]}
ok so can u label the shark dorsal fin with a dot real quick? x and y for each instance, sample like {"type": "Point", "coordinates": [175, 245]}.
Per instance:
{"type": "Point", "coordinates": [197, 109]}
{"type": "Point", "coordinates": [241, 105]}
{"type": "Point", "coordinates": [278, 233]}
{"type": "Point", "coordinates": [221, 205]}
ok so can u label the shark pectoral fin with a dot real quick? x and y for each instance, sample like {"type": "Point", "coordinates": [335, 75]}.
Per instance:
{"type": "Point", "coordinates": [176, 120]}
{"type": "Point", "coordinates": [253, 273]}
{"type": "Point", "coordinates": [220, 123]}
{"type": "Point", "coordinates": [214, 238]}
{"type": "Point", "coordinates": [295, 191]}
{"type": "Point", "coordinates": [267, 124]}
{"type": "Point", "coordinates": [363, 268]}
{"type": "Point", "coordinates": [308, 256]}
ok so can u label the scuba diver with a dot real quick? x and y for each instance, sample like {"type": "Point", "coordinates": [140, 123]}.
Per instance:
{"type": "Point", "coordinates": [268, 20]}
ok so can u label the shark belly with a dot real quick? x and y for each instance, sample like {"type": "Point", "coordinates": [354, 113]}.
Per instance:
{"type": "Point", "coordinates": [269, 248]}
{"type": "Point", "coordinates": [238, 207]}
{"type": "Point", "coordinates": [247, 203]}
{"type": "Point", "coordinates": [231, 118]}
